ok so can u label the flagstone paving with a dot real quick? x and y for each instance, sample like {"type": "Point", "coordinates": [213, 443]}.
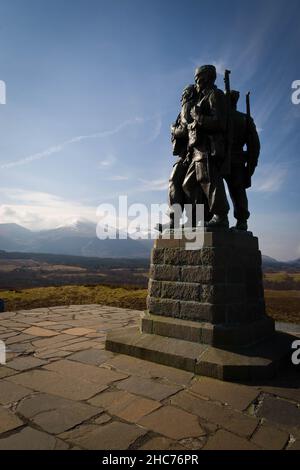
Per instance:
{"type": "Point", "coordinates": [60, 389]}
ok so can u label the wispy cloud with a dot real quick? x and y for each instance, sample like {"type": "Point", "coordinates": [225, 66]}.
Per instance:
{"type": "Point", "coordinates": [218, 63]}
{"type": "Point", "coordinates": [39, 210]}
{"type": "Point", "coordinates": [118, 178]}
{"type": "Point", "coordinates": [30, 197]}
{"type": "Point", "coordinates": [58, 148]}
{"type": "Point", "coordinates": [107, 162]}
{"type": "Point", "coordinates": [156, 130]}
{"type": "Point", "coordinates": [269, 178]}
{"type": "Point", "coordinates": [154, 185]}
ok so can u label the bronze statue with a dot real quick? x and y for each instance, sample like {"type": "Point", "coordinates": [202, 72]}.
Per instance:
{"type": "Point", "coordinates": [208, 139]}
{"type": "Point", "coordinates": [207, 148]}
{"type": "Point", "coordinates": [243, 163]}
{"type": "Point", "coordinates": [179, 136]}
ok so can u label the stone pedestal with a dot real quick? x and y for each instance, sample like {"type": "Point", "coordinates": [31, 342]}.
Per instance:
{"type": "Point", "coordinates": [206, 310]}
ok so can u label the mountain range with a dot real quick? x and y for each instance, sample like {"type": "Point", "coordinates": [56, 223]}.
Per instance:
{"type": "Point", "coordinates": [76, 238]}
{"type": "Point", "coordinates": [79, 238]}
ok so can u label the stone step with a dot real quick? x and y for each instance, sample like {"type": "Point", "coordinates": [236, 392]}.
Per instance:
{"type": "Point", "coordinates": [221, 335]}
{"type": "Point", "coordinates": [256, 362]}
{"type": "Point", "coordinates": [241, 312]}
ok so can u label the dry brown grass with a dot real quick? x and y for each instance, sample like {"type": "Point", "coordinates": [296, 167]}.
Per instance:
{"type": "Point", "coordinates": [281, 305]}
{"type": "Point", "coordinates": [76, 295]}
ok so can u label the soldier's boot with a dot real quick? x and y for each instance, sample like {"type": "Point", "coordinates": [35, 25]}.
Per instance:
{"type": "Point", "coordinates": [190, 224]}
{"type": "Point", "coordinates": [241, 225]}
{"type": "Point", "coordinates": [218, 221]}
{"type": "Point", "coordinates": [192, 221]}
{"type": "Point", "coordinates": [167, 226]}
{"type": "Point", "coordinates": [161, 227]}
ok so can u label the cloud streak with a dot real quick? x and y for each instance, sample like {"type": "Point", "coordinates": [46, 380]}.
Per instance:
{"type": "Point", "coordinates": [58, 148]}
{"type": "Point", "coordinates": [38, 210]}
{"type": "Point", "coordinates": [269, 178]}
{"type": "Point", "coordinates": [154, 185]}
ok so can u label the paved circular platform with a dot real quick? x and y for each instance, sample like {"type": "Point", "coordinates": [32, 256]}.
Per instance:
{"type": "Point", "coordinates": [61, 390]}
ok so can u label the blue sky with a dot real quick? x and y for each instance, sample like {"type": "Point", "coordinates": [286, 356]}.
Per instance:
{"type": "Point", "coordinates": [93, 86]}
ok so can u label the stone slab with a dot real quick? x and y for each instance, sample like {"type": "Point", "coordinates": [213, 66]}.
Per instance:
{"type": "Point", "coordinates": [54, 383]}
{"type": "Point", "coordinates": [32, 439]}
{"type": "Point", "coordinates": [161, 443]}
{"type": "Point", "coordinates": [78, 331]}
{"type": "Point", "coordinates": [112, 436]}
{"type": "Point", "coordinates": [11, 393]}
{"type": "Point", "coordinates": [148, 388]}
{"type": "Point", "coordinates": [91, 356]}
{"type": "Point", "coordinates": [76, 371]}
{"type": "Point", "coordinates": [236, 395]}
{"type": "Point", "coordinates": [37, 331]}
{"type": "Point", "coordinates": [224, 440]}
{"type": "Point", "coordinates": [55, 414]}
{"type": "Point", "coordinates": [258, 361]}
{"type": "Point", "coordinates": [6, 372]}
{"type": "Point", "coordinates": [202, 332]}
{"type": "Point", "coordinates": [8, 420]}
{"type": "Point", "coordinates": [173, 423]}
{"type": "Point", "coordinates": [125, 405]}
{"type": "Point", "coordinates": [270, 438]}
{"type": "Point", "coordinates": [25, 363]}
{"type": "Point", "coordinates": [280, 412]}
{"type": "Point", "coordinates": [148, 370]}
{"type": "Point", "coordinates": [167, 351]}
{"type": "Point", "coordinates": [218, 415]}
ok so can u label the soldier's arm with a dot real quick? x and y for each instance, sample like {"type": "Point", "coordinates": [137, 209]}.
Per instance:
{"type": "Point", "coordinates": [216, 121]}
{"type": "Point", "coordinates": [253, 145]}
{"type": "Point", "coordinates": [174, 126]}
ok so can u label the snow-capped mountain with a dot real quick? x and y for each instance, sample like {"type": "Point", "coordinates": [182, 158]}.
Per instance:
{"type": "Point", "coordinates": [77, 237]}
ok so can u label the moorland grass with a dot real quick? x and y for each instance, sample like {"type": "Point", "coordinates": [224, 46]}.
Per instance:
{"type": "Point", "coordinates": [281, 305]}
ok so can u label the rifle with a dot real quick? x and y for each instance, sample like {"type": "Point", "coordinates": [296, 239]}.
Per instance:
{"type": "Point", "coordinates": [225, 169]}
{"type": "Point", "coordinates": [227, 82]}
{"type": "Point", "coordinates": [248, 106]}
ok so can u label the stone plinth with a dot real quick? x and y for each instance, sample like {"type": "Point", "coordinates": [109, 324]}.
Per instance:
{"type": "Point", "coordinates": [206, 310]}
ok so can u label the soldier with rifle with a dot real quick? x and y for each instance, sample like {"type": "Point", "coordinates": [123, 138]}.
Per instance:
{"type": "Point", "coordinates": [208, 148]}
{"type": "Point", "coordinates": [179, 137]}
{"type": "Point", "coordinates": [243, 163]}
